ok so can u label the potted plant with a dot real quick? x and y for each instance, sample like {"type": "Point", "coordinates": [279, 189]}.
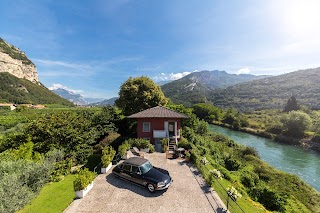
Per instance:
{"type": "Point", "coordinates": [144, 145]}
{"type": "Point", "coordinates": [107, 155]}
{"type": "Point", "coordinates": [122, 150]}
{"type": "Point", "coordinates": [83, 182]}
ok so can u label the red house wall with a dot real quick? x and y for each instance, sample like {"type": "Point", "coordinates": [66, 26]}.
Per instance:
{"type": "Point", "coordinates": [155, 124]}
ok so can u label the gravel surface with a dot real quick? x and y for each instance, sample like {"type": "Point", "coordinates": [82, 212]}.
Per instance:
{"type": "Point", "coordinates": [187, 193]}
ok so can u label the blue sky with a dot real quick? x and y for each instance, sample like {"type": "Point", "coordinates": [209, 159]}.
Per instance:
{"type": "Point", "coordinates": [92, 47]}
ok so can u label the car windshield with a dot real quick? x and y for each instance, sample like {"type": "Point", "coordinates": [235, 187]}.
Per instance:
{"type": "Point", "coordinates": [145, 167]}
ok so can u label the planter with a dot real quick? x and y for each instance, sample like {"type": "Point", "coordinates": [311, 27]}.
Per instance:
{"type": "Point", "coordinates": [82, 193]}
{"type": "Point", "coordinates": [145, 150]}
{"type": "Point", "coordinates": [104, 170]}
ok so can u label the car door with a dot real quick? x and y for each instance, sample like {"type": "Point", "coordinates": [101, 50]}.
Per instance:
{"type": "Point", "coordinates": [136, 175]}
{"type": "Point", "coordinates": [125, 172]}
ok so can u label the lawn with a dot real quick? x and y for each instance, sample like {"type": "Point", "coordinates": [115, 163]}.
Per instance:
{"type": "Point", "coordinates": [53, 198]}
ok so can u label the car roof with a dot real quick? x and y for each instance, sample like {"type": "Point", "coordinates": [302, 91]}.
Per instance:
{"type": "Point", "coordinates": [136, 161]}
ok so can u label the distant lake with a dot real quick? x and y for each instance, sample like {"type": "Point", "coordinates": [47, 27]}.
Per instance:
{"type": "Point", "coordinates": [291, 159]}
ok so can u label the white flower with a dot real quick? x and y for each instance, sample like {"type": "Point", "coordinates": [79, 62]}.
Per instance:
{"type": "Point", "coordinates": [217, 173]}
{"type": "Point", "coordinates": [204, 161]}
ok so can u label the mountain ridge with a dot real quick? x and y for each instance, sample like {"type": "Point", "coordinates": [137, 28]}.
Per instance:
{"type": "Point", "coordinates": [195, 87]}
{"type": "Point", "coordinates": [272, 92]}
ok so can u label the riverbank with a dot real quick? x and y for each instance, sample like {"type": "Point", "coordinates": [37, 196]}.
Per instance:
{"type": "Point", "coordinates": [305, 143]}
{"type": "Point", "coordinates": [287, 158]}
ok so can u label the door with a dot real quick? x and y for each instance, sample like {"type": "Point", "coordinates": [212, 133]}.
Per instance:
{"type": "Point", "coordinates": [158, 145]}
{"type": "Point", "coordinates": [171, 128]}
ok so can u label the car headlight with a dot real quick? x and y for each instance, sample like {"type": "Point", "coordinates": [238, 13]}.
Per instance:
{"type": "Point", "coordinates": [161, 184]}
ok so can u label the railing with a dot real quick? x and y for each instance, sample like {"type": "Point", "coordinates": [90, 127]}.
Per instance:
{"type": "Point", "coordinates": [231, 203]}
{"type": "Point", "coordinates": [159, 133]}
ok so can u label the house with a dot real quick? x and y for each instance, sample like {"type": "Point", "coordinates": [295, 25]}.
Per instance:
{"type": "Point", "coordinates": [157, 123]}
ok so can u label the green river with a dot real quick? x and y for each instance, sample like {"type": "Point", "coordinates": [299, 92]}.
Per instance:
{"type": "Point", "coordinates": [288, 158]}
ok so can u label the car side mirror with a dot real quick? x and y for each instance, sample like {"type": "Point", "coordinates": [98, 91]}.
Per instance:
{"type": "Point", "coordinates": [139, 173]}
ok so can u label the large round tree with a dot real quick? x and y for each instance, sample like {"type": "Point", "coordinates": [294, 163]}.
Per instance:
{"type": "Point", "coordinates": [138, 94]}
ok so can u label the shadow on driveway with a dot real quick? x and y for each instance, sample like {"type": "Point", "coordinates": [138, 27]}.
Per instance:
{"type": "Point", "coordinates": [124, 184]}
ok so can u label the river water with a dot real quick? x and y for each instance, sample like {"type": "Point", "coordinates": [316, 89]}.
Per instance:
{"type": "Point", "coordinates": [288, 158]}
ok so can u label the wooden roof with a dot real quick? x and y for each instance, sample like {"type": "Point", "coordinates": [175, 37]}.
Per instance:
{"type": "Point", "coordinates": [158, 112]}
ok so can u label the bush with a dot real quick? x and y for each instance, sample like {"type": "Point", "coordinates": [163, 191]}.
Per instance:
{"type": "Point", "coordinates": [140, 143]}
{"type": "Point", "coordinates": [151, 148]}
{"type": "Point", "coordinates": [164, 144]}
{"type": "Point", "coordinates": [83, 179]}
{"type": "Point", "coordinates": [184, 144]}
{"type": "Point", "coordinates": [107, 155]}
{"type": "Point", "coordinates": [122, 150]}
{"type": "Point", "coordinates": [270, 199]}
{"type": "Point", "coordinates": [232, 164]}
{"type": "Point", "coordinates": [250, 151]}
{"type": "Point", "coordinates": [249, 179]}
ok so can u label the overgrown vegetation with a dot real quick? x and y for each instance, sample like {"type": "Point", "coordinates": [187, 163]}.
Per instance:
{"type": "Point", "coordinates": [242, 169]}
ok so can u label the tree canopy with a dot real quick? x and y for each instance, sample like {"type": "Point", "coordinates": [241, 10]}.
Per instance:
{"type": "Point", "coordinates": [296, 123]}
{"type": "Point", "coordinates": [292, 105]}
{"type": "Point", "coordinates": [138, 94]}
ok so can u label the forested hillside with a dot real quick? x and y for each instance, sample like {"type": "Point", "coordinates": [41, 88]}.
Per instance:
{"type": "Point", "coordinates": [272, 92]}
{"type": "Point", "coordinates": [22, 91]}
{"type": "Point", "coordinates": [194, 88]}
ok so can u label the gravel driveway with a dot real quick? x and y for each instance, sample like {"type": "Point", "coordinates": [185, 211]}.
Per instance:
{"type": "Point", "coordinates": [187, 193]}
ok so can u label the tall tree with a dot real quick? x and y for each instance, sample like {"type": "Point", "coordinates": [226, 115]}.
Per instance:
{"type": "Point", "coordinates": [292, 105]}
{"type": "Point", "coordinates": [138, 94]}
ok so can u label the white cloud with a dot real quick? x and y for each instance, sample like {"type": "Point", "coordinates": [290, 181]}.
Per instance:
{"type": "Point", "coordinates": [60, 86]}
{"type": "Point", "coordinates": [171, 76]}
{"type": "Point", "coordinates": [244, 70]}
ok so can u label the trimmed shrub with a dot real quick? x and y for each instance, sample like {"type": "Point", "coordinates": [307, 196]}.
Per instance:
{"type": "Point", "coordinates": [107, 155]}
{"type": "Point", "coordinates": [151, 148]}
{"type": "Point", "coordinates": [164, 144]}
{"type": "Point", "coordinates": [123, 148]}
{"type": "Point", "coordinates": [83, 179]}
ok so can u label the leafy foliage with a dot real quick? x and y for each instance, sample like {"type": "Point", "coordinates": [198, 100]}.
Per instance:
{"type": "Point", "coordinates": [107, 155]}
{"type": "Point", "coordinates": [138, 94]}
{"type": "Point", "coordinates": [296, 123]}
{"type": "Point", "coordinates": [83, 179]}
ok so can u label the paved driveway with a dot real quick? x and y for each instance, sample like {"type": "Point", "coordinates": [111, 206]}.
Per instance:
{"type": "Point", "coordinates": [187, 193]}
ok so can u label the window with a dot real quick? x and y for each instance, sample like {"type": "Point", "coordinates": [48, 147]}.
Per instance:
{"type": "Point", "coordinates": [127, 167]}
{"type": "Point", "coordinates": [135, 169]}
{"type": "Point", "coordinates": [146, 127]}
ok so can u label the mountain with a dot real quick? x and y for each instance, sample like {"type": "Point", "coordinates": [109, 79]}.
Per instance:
{"type": "Point", "coordinates": [195, 87]}
{"type": "Point", "coordinates": [271, 92]}
{"type": "Point", "coordinates": [23, 91]}
{"type": "Point", "coordinates": [70, 96]}
{"type": "Point", "coordinates": [93, 100]}
{"type": "Point", "coordinates": [19, 79]}
{"type": "Point", "coordinates": [15, 62]}
{"type": "Point", "coordinates": [105, 102]}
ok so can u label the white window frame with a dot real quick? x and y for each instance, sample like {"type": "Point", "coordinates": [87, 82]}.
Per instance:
{"type": "Point", "coordinates": [146, 130]}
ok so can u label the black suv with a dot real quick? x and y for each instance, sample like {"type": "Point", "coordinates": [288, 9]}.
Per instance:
{"type": "Point", "coordinates": [140, 171]}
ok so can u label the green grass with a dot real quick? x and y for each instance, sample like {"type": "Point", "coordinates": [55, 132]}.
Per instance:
{"type": "Point", "coordinates": [54, 197]}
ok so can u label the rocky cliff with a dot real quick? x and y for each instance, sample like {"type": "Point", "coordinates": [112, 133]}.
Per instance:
{"type": "Point", "coordinates": [15, 62]}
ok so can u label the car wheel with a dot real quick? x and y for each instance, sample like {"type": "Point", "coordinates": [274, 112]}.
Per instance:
{"type": "Point", "coordinates": [150, 187]}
